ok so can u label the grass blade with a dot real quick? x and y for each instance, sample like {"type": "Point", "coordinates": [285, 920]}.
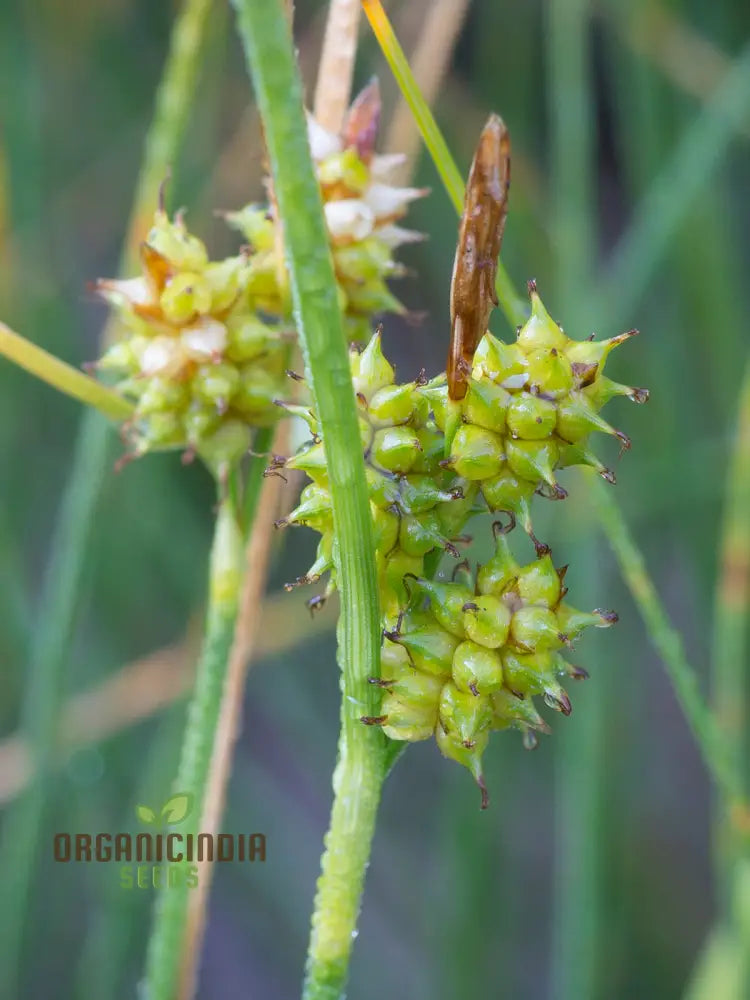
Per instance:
{"type": "Point", "coordinates": [359, 772]}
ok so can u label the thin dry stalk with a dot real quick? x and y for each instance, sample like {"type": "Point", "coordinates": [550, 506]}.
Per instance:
{"type": "Point", "coordinates": [429, 61]}
{"type": "Point", "coordinates": [257, 555]}
{"type": "Point", "coordinates": [336, 67]}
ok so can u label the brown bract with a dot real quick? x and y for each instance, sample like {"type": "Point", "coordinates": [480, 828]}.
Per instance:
{"type": "Point", "coordinates": [479, 238]}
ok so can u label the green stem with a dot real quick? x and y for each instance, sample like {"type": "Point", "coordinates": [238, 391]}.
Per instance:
{"type": "Point", "coordinates": [577, 901]}
{"type": "Point", "coordinates": [668, 642]}
{"type": "Point", "coordinates": [359, 772]}
{"type": "Point", "coordinates": [58, 601]}
{"type": "Point", "coordinates": [225, 576]}
{"type": "Point", "coordinates": [683, 677]}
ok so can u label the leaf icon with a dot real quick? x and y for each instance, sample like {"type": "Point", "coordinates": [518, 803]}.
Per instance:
{"type": "Point", "coordinates": [177, 808]}
{"type": "Point", "coordinates": [145, 815]}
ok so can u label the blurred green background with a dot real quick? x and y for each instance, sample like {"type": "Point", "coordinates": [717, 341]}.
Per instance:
{"type": "Point", "coordinates": [591, 875]}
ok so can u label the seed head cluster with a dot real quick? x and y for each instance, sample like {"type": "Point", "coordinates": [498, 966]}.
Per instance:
{"type": "Point", "coordinates": [462, 657]}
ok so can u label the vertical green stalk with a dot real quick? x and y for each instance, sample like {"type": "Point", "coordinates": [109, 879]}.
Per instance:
{"type": "Point", "coordinates": [578, 780]}
{"type": "Point", "coordinates": [225, 578]}
{"type": "Point", "coordinates": [269, 49]}
{"type": "Point", "coordinates": [666, 639]}
{"type": "Point", "coordinates": [58, 601]}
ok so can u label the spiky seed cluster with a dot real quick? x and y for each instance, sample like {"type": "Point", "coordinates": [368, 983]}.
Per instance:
{"type": "Point", "coordinates": [473, 659]}
{"type": "Point", "coordinates": [529, 410]}
{"type": "Point", "coordinates": [362, 212]}
{"type": "Point", "coordinates": [463, 658]}
{"type": "Point", "coordinates": [199, 365]}
{"type": "Point", "coordinates": [417, 506]}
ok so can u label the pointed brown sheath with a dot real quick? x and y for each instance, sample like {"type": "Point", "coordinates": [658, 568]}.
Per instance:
{"type": "Point", "coordinates": [479, 238]}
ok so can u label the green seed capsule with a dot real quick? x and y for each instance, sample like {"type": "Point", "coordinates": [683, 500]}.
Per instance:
{"type": "Point", "coordinates": [454, 513]}
{"type": "Point", "coordinates": [386, 527]}
{"type": "Point", "coordinates": [216, 384]}
{"type": "Point", "coordinates": [572, 622]}
{"type": "Point", "coordinates": [120, 357]}
{"type": "Point", "coordinates": [477, 669]}
{"type": "Point", "coordinates": [419, 534]}
{"type": "Point", "coordinates": [595, 352]}
{"type": "Point", "coordinates": [344, 168]}
{"type": "Point", "coordinates": [476, 453]}
{"type": "Point", "coordinates": [530, 417]}
{"type": "Point", "coordinates": [256, 226]}
{"type": "Point", "coordinates": [512, 712]}
{"type": "Point", "coordinates": [486, 405]}
{"type": "Point", "coordinates": [225, 447]}
{"type": "Point", "coordinates": [540, 330]}
{"type": "Point", "coordinates": [313, 510]}
{"type": "Point", "coordinates": [176, 244]}
{"type": "Point", "coordinates": [418, 493]}
{"type": "Point", "coordinates": [534, 460]}
{"type": "Point", "coordinates": [248, 338]}
{"type": "Point", "coordinates": [549, 373]}
{"type": "Point", "coordinates": [487, 620]}
{"type": "Point", "coordinates": [394, 567]}
{"type": "Point", "coordinates": [373, 297]}
{"type": "Point", "coordinates": [432, 444]}
{"type": "Point", "coordinates": [447, 601]}
{"type": "Point", "coordinates": [603, 389]}
{"type": "Point", "coordinates": [577, 418]}
{"type": "Point", "coordinates": [521, 672]}
{"type": "Point", "coordinates": [370, 370]}
{"type": "Point", "coordinates": [255, 395]}
{"type": "Point", "coordinates": [464, 716]}
{"type": "Point", "coordinates": [393, 404]}
{"type": "Point", "coordinates": [162, 430]}
{"type": "Point", "coordinates": [363, 260]}
{"type": "Point", "coordinates": [185, 296]}
{"type": "Point", "coordinates": [536, 629]}
{"type": "Point", "coordinates": [223, 280]}
{"type": "Point", "coordinates": [429, 646]}
{"type": "Point", "coordinates": [471, 758]}
{"type": "Point", "coordinates": [508, 491]}
{"type": "Point", "coordinates": [407, 720]}
{"type": "Point", "coordinates": [498, 361]}
{"type": "Point", "coordinates": [539, 583]}
{"type": "Point", "coordinates": [395, 448]}
{"type": "Point", "coordinates": [311, 460]}
{"type": "Point", "coordinates": [500, 572]}
{"type": "Point", "coordinates": [199, 423]}
{"type": "Point", "coordinates": [163, 394]}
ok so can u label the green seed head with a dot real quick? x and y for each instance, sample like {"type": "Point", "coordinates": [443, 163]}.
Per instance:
{"type": "Point", "coordinates": [477, 670]}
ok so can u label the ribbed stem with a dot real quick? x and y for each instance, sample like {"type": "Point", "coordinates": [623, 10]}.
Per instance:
{"type": "Point", "coordinates": [225, 577]}
{"type": "Point", "coordinates": [576, 911]}
{"type": "Point", "coordinates": [359, 773]}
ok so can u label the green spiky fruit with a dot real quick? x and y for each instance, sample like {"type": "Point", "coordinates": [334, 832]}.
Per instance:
{"type": "Point", "coordinates": [417, 506]}
{"type": "Point", "coordinates": [529, 409]}
{"type": "Point", "coordinates": [200, 368]}
{"type": "Point", "coordinates": [479, 652]}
